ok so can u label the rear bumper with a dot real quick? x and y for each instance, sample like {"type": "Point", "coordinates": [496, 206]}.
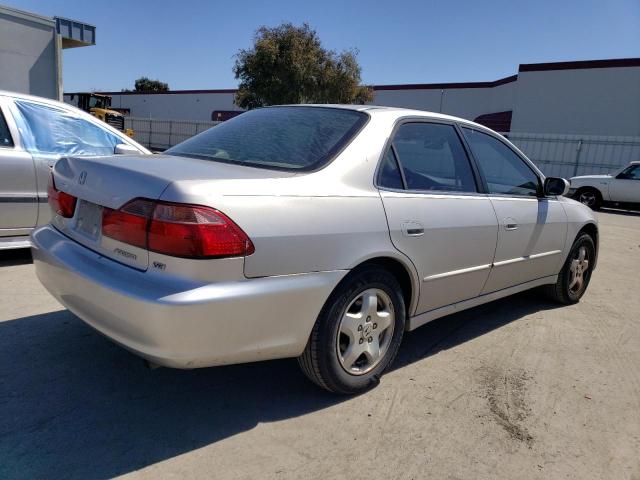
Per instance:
{"type": "Point", "coordinates": [176, 322]}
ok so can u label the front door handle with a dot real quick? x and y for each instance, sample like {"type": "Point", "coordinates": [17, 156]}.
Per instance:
{"type": "Point", "coordinates": [412, 229]}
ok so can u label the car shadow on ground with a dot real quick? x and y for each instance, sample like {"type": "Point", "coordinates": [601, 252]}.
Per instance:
{"type": "Point", "coordinates": [10, 258]}
{"type": "Point", "coordinates": [74, 405]}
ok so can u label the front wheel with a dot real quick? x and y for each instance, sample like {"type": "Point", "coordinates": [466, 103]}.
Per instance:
{"type": "Point", "coordinates": [357, 334]}
{"type": "Point", "coordinates": [576, 273]}
{"type": "Point", "coordinates": [590, 197]}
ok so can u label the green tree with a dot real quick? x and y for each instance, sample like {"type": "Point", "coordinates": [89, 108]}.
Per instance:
{"type": "Point", "coordinates": [145, 84]}
{"type": "Point", "coordinates": [287, 64]}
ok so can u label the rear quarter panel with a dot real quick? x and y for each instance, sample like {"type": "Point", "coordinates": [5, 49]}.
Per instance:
{"type": "Point", "coordinates": [331, 219]}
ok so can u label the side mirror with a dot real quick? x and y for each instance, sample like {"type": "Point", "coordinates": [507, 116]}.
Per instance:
{"type": "Point", "coordinates": [124, 149]}
{"type": "Point", "coordinates": [555, 186]}
{"type": "Point", "coordinates": [622, 176]}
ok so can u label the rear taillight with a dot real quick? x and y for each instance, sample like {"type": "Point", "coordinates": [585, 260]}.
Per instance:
{"type": "Point", "coordinates": [130, 223]}
{"type": "Point", "coordinates": [195, 231]}
{"type": "Point", "coordinates": [176, 229]}
{"type": "Point", "coordinates": [61, 203]}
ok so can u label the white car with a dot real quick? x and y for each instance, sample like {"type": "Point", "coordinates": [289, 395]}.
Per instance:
{"type": "Point", "coordinates": [618, 189]}
{"type": "Point", "coordinates": [318, 232]}
{"type": "Point", "coordinates": [35, 133]}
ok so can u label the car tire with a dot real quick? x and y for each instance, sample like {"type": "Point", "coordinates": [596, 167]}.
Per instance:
{"type": "Point", "coordinates": [589, 197]}
{"type": "Point", "coordinates": [575, 275]}
{"type": "Point", "coordinates": [357, 334]}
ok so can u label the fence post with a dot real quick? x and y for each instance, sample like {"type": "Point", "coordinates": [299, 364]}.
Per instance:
{"type": "Point", "coordinates": [578, 150]}
{"type": "Point", "coordinates": [170, 130]}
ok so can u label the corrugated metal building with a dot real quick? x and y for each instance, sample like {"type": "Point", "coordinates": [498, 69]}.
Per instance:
{"type": "Point", "coordinates": [31, 50]}
{"type": "Point", "coordinates": [599, 97]}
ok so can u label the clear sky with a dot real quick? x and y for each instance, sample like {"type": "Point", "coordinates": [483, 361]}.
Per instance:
{"type": "Point", "coordinates": [191, 43]}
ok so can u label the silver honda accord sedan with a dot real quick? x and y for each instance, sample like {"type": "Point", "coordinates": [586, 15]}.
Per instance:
{"type": "Point", "coordinates": [317, 232]}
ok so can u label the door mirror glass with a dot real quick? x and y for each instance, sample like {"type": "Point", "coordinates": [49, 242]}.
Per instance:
{"type": "Point", "coordinates": [555, 186]}
{"type": "Point", "coordinates": [124, 149]}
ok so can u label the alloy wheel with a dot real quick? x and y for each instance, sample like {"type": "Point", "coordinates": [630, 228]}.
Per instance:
{"type": "Point", "coordinates": [587, 198]}
{"type": "Point", "coordinates": [365, 331]}
{"type": "Point", "coordinates": [578, 270]}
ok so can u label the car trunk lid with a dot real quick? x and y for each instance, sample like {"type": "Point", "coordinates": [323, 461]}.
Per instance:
{"type": "Point", "coordinates": [111, 182]}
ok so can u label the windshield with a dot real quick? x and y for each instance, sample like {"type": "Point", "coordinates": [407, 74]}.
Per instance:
{"type": "Point", "coordinates": [289, 138]}
{"type": "Point", "coordinates": [98, 102]}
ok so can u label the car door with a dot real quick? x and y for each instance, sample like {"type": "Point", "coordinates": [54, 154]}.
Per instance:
{"type": "Point", "coordinates": [626, 186]}
{"type": "Point", "coordinates": [532, 228]}
{"type": "Point", "coordinates": [18, 192]}
{"type": "Point", "coordinates": [436, 215]}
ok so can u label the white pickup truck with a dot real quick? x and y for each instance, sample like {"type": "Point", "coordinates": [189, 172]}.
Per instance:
{"type": "Point", "coordinates": [618, 189]}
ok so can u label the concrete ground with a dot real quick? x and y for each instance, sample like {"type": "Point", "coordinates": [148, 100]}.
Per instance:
{"type": "Point", "coordinates": [520, 388]}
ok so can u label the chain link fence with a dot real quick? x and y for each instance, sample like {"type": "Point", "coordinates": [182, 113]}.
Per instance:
{"type": "Point", "coordinates": [570, 155]}
{"type": "Point", "coordinates": [158, 134]}
{"type": "Point", "coordinates": [556, 155]}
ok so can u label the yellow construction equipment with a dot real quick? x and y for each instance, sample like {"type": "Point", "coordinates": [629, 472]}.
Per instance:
{"type": "Point", "coordinates": [99, 106]}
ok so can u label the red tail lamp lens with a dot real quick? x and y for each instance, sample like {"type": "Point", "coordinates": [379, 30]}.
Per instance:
{"type": "Point", "coordinates": [196, 232]}
{"type": "Point", "coordinates": [129, 224]}
{"type": "Point", "coordinates": [180, 230]}
{"type": "Point", "coordinates": [61, 203]}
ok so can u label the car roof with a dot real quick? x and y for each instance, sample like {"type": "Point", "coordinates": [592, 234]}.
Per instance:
{"type": "Point", "coordinates": [396, 112]}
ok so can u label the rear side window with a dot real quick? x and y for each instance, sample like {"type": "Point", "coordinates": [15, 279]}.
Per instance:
{"type": "Point", "coordinates": [54, 131]}
{"type": "Point", "coordinates": [505, 172]}
{"type": "Point", "coordinates": [286, 138]}
{"type": "Point", "coordinates": [389, 175]}
{"type": "Point", "coordinates": [432, 157]}
{"type": "Point", "coordinates": [5, 136]}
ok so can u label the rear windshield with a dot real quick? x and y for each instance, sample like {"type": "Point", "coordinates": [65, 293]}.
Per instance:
{"type": "Point", "coordinates": [287, 138]}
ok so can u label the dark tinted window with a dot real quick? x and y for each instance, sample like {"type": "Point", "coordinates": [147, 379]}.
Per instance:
{"type": "Point", "coordinates": [632, 173]}
{"type": "Point", "coordinates": [389, 174]}
{"type": "Point", "coordinates": [5, 136]}
{"type": "Point", "coordinates": [504, 171]}
{"type": "Point", "coordinates": [432, 158]}
{"type": "Point", "coordinates": [291, 138]}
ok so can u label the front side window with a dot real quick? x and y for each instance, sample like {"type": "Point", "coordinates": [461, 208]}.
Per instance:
{"type": "Point", "coordinates": [432, 157]}
{"type": "Point", "coordinates": [285, 138]}
{"type": "Point", "coordinates": [53, 131]}
{"type": "Point", "coordinates": [505, 172]}
{"type": "Point", "coordinates": [5, 136]}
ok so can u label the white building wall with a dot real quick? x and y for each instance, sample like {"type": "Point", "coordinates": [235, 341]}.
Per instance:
{"type": "Point", "coordinates": [177, 106]}
{"type": "Point", "coordinates": [28, 58]}
{"type": "Point", "coordinates": [595, 101]}
{"type": "Point", "coordinates": [470, 103]}
{"type": "Point", "coordinates": [426, 99]}
{"type": "Point", "coordinates": [591, 101]}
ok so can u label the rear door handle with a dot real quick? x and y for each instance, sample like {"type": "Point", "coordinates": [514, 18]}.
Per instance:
{"type": "Point", "coordinates": [510, 223]}
{"type": "Point", "coordinates": [412, 229]}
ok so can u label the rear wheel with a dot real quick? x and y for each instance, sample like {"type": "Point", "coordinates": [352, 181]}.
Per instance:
{"type": "Point", "coordinates": [589, 197]}
{"type": "Point", "coordinates": [357, 334]}
{"type": "Point", "coordinates": [576, 273]}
